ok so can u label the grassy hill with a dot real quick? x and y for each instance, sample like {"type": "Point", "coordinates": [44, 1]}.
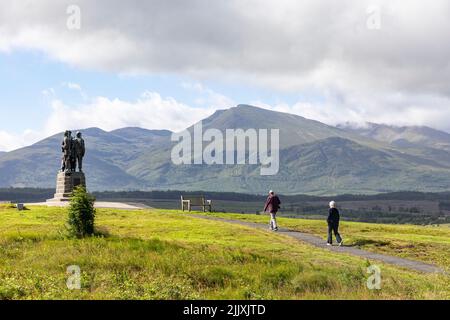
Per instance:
{"type": "Point", "coordinates": [160, 254]}
{"type": "Point", "coordinates": [428, 244]}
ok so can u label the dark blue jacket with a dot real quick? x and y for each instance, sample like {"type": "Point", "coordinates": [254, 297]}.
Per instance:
{"type": "Point", "coordinates": [333, 215]}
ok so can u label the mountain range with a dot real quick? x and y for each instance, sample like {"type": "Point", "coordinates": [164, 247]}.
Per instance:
{"type": "Point", "coordinates": [315, 158]}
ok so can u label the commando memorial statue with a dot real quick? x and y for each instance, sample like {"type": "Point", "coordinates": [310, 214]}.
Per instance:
{"type": "Point", "coordinates": [73, 151]}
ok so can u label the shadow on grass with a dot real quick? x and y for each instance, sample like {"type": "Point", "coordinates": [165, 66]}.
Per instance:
{"type": "Point", "coordinates": [368, 242]}
{"type": "Point", "coordinates": [102, 232]}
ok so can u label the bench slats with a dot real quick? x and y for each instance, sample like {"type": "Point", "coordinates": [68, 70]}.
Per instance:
{"type": "Point", "coordinates": [195, 200]}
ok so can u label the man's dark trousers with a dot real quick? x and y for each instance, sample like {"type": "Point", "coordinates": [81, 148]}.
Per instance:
{"type": "Point", "coordinates": [333, 226]}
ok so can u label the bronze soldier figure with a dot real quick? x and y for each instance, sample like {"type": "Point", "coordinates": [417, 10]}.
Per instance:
{"type": "Point", "coordinates": [73, 152]}
{"type": "Point", "coordinates": [79, 151]}
{"type": "Point", "coordinates": [63, 162]}
{"type": "Point", "coordinates": [73, 158]}
{"type": "Point", "coordinates": [66, 149]}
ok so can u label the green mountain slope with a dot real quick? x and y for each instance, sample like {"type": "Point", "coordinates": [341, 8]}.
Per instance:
{"type": "Point", "coordinates": [294, 130]}
{"type": "Point", "coordinates": [413, 136]}
{"type": "Point", "coordinates": [315, 158]}
{"type": "Point", "coordinates": [329, 166]}
{"type": "Point", "coordinates": [109, 154]}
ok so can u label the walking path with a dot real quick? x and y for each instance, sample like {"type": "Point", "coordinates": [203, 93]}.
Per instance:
{"type": "Point", "coordinates": [319, 242]}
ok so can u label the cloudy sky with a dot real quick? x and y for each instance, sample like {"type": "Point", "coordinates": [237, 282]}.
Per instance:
{"type": "Point", "coordinates": [167, 64]}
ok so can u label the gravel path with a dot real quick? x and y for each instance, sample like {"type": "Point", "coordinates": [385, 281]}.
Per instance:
{"type": "Point", "coordinates": [319, 242]}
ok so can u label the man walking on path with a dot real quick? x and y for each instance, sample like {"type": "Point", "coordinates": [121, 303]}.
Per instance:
{"type": "Point", "coordinates": [272, 205]}
{"type": "Point", "coordinates": [333, 224]}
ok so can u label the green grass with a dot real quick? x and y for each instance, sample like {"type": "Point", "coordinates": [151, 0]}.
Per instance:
{"type": "Point", "coordinates": [429, 244]}
{"type": "Point", "coordinates": [169, 255]}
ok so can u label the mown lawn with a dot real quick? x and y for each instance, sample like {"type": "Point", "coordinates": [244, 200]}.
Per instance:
{"type": "Point", "coordinates": [429, 244]}
{"type": "Point", "coordinates": [147, 254]}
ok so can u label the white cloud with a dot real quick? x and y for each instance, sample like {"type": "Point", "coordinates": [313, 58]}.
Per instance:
{"type": "Point", "coordinates": [72, 85]}
{"type": "Point", "coordinates": [403, 110]}
{"type": "Point", "coordinates": [75, 87]}
{"type": "Point", "coordinates": [9, 141]}
{"type": "Point", "coordinates": [398, 74]}
{"type": "Point", "coordinates": [209, 97]}
{"type": "Point", "coordinates": [50, 92]}
{"type": "Point", "coordinates": [150, 111]}
{"type": "Point", "coordinates": [287, 45]}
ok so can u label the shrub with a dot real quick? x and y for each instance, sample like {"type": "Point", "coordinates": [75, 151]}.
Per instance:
{"type": "Point", "coordinates": [81, 213]}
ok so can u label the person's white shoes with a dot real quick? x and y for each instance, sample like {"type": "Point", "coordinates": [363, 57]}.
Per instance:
{"type": "Point", "coordinates": [341, 243]}
{"type": "Point", "coordinates": [328, 244]}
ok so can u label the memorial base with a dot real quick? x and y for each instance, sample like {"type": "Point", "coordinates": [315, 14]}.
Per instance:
{"type": "Point", "coordinates": [65, 183]}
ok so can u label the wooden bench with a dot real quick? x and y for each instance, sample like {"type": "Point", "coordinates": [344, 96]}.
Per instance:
{"type": "Point", "coordinates": [187, 202]}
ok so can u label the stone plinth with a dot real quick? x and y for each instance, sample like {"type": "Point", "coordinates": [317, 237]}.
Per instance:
{"type": "Point", "coordinates": [65, 183]}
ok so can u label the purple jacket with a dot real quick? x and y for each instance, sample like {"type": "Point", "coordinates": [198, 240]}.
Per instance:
{"type": "Point", "coordinates": [272, 204]}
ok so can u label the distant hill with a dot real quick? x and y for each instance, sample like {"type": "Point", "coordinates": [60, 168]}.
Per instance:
{"type": "Point", "coordinates": [294, 130]}
{"type": "Point", "coordinates": [108, 154]}
{"type": "Point", "coordinates": [413, 136]}
{"type": "Point", "coordinates": [315, 159]}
